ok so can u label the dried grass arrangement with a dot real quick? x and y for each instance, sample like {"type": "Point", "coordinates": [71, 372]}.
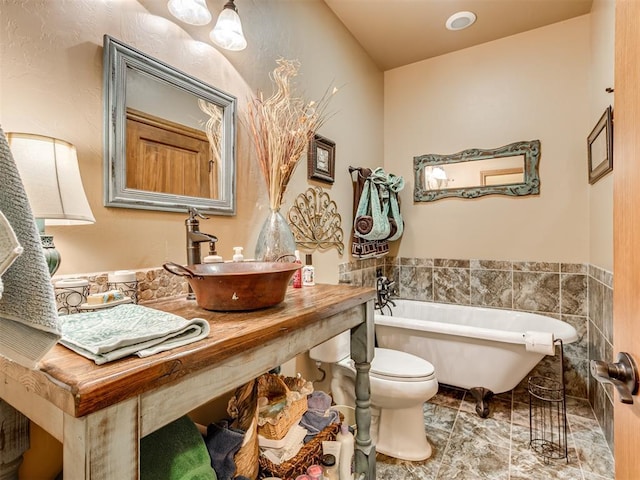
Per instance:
{"type": "Point", "coordinates": [281, 128]}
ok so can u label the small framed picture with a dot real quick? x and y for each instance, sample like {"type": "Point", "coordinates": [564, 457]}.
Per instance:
{"type": "Point", "coordinates": [600, 147]}
{"type": "Point", "coordinates": [322, 159]}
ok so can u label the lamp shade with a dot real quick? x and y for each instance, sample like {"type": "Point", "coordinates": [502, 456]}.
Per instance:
{"type": "Point", "coordinates": [193, 12]}
{"type": "Point", "coordinates": [49, 171]}
{"type": "Point", "coordinates": [228, 30]}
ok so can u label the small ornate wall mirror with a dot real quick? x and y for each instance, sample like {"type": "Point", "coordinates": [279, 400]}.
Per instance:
{"type": "Point", "coordinates": [508, 170]}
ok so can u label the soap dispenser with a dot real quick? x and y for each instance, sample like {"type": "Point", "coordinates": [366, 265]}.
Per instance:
{"type": "Point", "coordinates": [308, 273]}
{"type": "Point", "coordinates": [237, 254]}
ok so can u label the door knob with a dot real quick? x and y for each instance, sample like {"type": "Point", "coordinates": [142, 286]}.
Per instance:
{"type": "Point", "coordinates": [623, 375]}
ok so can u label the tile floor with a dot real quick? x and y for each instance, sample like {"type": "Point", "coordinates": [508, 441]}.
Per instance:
{"type": "Point", "coordinates": [467, 447]}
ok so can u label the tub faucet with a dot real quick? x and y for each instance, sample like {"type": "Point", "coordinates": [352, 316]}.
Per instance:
{"type": "Point", "coordinates": [194, 238]}
{"type": "Point", "coordinates": [385, 288]}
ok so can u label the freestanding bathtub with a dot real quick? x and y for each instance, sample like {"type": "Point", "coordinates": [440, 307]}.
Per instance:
{"type": "Point", "coordinates": [480, 349]}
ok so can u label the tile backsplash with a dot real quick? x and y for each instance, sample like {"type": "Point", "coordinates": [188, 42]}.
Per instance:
{"type": "Point", "coordinates": [153, 283]}
{"type": "Point", "coordinates": [579, 294]}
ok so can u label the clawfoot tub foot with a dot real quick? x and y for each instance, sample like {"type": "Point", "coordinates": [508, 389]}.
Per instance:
{"type": "Point", "coordinates": [482, 396]}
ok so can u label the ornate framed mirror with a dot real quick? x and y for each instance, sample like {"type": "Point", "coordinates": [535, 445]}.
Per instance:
{"type": "Point", "coordinates": [508, 170]}
{"type": "Point", "coordinates": [169, 138]}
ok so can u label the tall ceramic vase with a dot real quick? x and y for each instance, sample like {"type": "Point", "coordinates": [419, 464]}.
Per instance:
{"type": "Point", "coordinates": [275, 239]}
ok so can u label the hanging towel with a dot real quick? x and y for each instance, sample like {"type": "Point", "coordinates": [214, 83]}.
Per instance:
{"type": "Point", "coordinates": [361, 248]}
{"type": "Point", "coordinates": [223, 442]}
{"type": "Point", "coordinates": [395, 184]}
{"type": "Point", "coordinates": [29, 325]}
{"type": "Point", "coordinates": [113, 333]}
{"type": "Point", "coordinates": [372, 221]}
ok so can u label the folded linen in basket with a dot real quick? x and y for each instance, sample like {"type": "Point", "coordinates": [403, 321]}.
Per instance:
{"type": "Point", "coordinates": [113, 333]}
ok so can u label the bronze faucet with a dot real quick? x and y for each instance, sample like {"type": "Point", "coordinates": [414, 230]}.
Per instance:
{"type": "Point", "coordinates": [194, 238]}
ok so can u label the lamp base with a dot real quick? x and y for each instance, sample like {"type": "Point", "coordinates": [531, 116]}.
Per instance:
{"type": "Point", "coordinates": [51, 255]}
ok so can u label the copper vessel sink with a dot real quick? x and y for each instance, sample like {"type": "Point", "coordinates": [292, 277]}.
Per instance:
{"type": "Point", "coordinates": [237, 286]}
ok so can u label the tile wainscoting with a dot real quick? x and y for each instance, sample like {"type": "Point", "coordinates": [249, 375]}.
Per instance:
{"type": "Point", "coordinates": [579, 294]}
{"type": "Point", "coordinates": [600, 285]}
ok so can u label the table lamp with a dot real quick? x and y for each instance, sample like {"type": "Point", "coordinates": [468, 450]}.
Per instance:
{"type": "Point", "coordinates": [49, 171]}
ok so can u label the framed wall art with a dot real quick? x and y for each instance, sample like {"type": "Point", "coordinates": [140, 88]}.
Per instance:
{"type": "Point", "coordinates": [600, 147]}
{"type": "Point", "coordinates": [321, 159]}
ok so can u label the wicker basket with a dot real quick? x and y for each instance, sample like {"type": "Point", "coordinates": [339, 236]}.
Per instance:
{"type": "Point", "coordinates": [276, 388]}
{"type": "Point", "coordinates": [309, 454]}
{"type": "Point", "coordinates": [242, 408]}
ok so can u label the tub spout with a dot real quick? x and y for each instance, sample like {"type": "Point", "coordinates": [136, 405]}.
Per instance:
{"type": "Point", "coordinates": [385, 288]}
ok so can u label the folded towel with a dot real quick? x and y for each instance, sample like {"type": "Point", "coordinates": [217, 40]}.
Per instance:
{"type": "Point", "coordinates": [113, 333]}
{"type": "Point", "coordinates": [28, 314]}
{"type": "Point", "coordinates": [223, 443]}
{"type": "Point", "coordinates": [318, 400]}
{"type": "Point", "coordinates": [177, 451]}
{"type": "Point", "coordinates": [292, 442]}
{"type": "Point", "coordinates": [315, 422]}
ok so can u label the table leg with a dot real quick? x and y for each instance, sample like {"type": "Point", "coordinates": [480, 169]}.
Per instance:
{"type": "Point", "coordinates": [362, 350]}
{"type": "Point", "coordinates": [104, 445]}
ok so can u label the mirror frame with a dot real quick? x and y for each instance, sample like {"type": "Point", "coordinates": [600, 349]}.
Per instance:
{"type": "Point", "coordinates": [530, 185]}
{"type": "Point", "coordinates": [118, 58]}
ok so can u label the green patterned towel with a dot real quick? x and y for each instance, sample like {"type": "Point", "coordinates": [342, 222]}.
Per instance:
{"type": "Point", "coordinates": [112, 333]}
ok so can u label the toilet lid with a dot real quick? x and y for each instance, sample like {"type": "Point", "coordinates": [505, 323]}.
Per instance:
{"type": "Point", "coordinates": [397, 364]}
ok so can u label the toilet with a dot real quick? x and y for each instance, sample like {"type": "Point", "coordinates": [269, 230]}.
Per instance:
{"type": "Point", "coordinates": [400, 384]}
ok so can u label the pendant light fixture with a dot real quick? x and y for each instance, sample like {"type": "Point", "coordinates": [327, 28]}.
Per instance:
{"type": "Point", "coordinates": [193, 12]}
{"type": "Point", "coordinates": [228, 30]}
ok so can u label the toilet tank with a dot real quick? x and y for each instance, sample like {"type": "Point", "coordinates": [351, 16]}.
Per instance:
{"type": "Point", "coordinates": [333, 350]}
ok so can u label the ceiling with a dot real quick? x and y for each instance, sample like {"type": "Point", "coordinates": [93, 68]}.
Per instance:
{"type": "Point", "coordinates": [400, 32]}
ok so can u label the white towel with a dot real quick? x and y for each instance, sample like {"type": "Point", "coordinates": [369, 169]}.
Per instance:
{"type": "Point", "coordinates": [28, 313]}
{"type": "Point", "coordinates": [112, 333]}
{"type": "Point", "coordinates": [540, 342]}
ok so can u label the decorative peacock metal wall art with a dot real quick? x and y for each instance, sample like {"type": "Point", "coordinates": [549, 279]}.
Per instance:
{"type": "Point", "coordinates": [315, 221]}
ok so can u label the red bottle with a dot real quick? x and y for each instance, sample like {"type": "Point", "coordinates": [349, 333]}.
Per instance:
{"type": "Point", "coordinates": [297, 275]}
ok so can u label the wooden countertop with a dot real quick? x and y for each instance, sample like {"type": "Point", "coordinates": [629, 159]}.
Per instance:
{"type": "Point", "coordinates": [79, 387]}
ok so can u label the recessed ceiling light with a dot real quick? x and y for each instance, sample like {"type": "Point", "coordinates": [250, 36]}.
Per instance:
{"type": "Point", "coordinates": [460, 20]}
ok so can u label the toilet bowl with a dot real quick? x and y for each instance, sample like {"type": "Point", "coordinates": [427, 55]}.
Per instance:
{"type": "Point", "coordinates": [400, 384]}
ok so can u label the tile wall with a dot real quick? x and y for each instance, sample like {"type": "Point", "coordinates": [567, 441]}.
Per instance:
{"type": "Point", "coordinates": [575, 293]}
{"type": "Point", "coordinates": [601, 344]}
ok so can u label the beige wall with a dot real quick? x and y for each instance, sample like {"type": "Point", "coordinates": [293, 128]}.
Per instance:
{"type": "Point", "coordinates": [601, 76]}
{"type": "Point", "coordinates": [534, 85]}
{"type": "Point", "coordinates": [51, 83]}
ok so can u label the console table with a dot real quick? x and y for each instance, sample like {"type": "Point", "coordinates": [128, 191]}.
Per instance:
{"type": "Point", "coordinates": [99, 413]}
